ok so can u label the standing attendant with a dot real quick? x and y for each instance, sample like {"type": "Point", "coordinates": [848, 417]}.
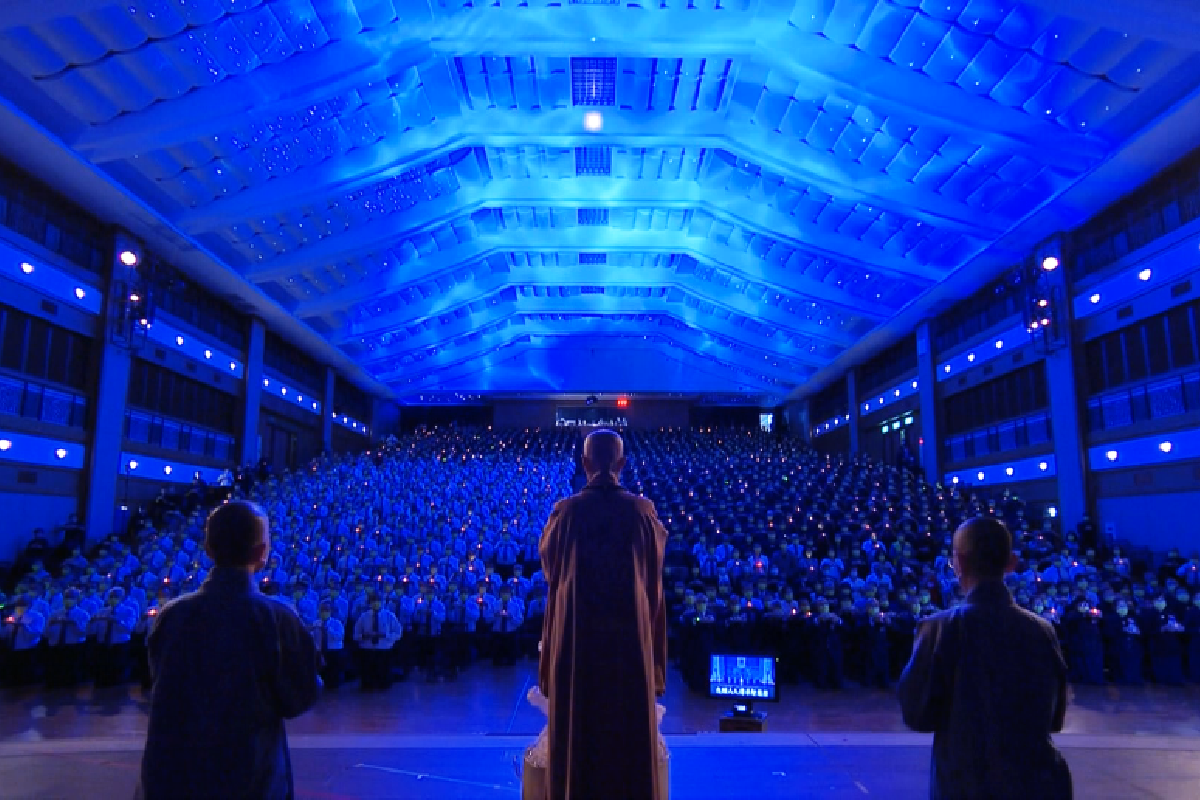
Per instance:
{"type": "Point", "coordinates": [229, 666]}
{"type": "Point", "coordinates": [988, 679]}
{"type": "Point", "coordinates": [604, 636]}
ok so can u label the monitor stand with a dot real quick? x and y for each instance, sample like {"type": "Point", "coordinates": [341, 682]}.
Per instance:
{"type": "Point", "coordinates": [742, 718]}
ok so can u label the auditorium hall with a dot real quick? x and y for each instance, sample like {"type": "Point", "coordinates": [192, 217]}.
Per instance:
{"type": "Point", "coordinates": [316, 317]}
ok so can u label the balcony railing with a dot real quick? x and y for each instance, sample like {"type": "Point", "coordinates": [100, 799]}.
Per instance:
{"type": "Point", "coordinates": [1160, 398]}
{"type": "Point", "coordinates": [181, 437]}
{"type": "Point", "coordinates": [1014, 434]}
{"type": "Point", "coordinates": [33, 400]}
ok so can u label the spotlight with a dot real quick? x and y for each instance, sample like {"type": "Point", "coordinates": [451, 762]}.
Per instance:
{"type": "Point", "coordinates": [979, 475]}
{"type": "Point", "coordinates": [1111, 455]}
{"type": "Point", "coordinates": [1095, 298]}
{"type": "Point", "coordinates": [283, 390]}
{"type": "Point", "coordinates": [129, 258]}
{"type": "Point", "coordinates": [999, 343]}
{"type": "Point", "coordinates": [179, 341]}
{"type": "Point", "coordinates": [167, 469]}
{"type": "Point", "coordinates": [914, 384]}
{"type": "Point", "coordinates": [132, 464]}
{"type": "Point", "coordinates": [593, 121]}
{"type": "Point", "coordinates": [946, 368]}
{"type": "Point", "coordinates": [1008, 471]}
{"type": "Point", "coordinates": [5, 444]}
{"type": "Point", "coordinates": [26, 267]}
{"type": "Point", "coordinates": [233, 365]}
{"type": "Point", "coordinates": [1043, 466]}
{"type": "Point", "coordinates": [954, 479]}
{"type": "Point", "coordinates": [1144, 275]}
{"type": "Point", "coordinates": [61, 452]}
{"type": "Point", "coordinates": [135, 298]}
{"type": "Point", "coordinates": [266, 382]}
{"type": "Point", "coordinates": [1049, 263]}
{"type": "Point", "coordinates": [208, 353]}
{"type": "Point", "coordinates": [1165, 447]}
{"type": "Point", "coordinates": [79, 293]}
{"type": "Point", "coordinates": [971, 357]}
{"type": "Point", "coordinates": [1043, 303]}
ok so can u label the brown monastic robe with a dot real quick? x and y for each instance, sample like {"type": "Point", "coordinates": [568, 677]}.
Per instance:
{"type": "Point", "coordinates": [604, 643]}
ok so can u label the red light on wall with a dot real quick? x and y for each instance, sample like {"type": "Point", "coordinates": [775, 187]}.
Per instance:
{"type": "Point", "coordinates": [622, 402]}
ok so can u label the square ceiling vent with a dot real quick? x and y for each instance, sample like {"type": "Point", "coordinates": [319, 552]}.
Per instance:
{"type": "Point", "coordinates": [593, 161]}
{"type": "Point", "coordinates": [594, 81]}
{"type": "Point", "coordinates": [593, 216]}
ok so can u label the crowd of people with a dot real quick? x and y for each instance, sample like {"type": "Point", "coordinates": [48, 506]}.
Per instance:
{"type": "Point", "coordinates": [422, 554]}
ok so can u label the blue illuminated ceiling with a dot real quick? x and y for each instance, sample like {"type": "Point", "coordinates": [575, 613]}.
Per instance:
{"type": "Point", "coordinates": [593, 196]}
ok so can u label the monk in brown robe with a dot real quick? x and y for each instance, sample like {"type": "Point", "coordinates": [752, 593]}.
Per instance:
{"type": "Point", "coordinates": [604, 636]}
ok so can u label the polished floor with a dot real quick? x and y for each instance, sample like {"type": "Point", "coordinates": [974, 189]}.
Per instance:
{"type": "Point", "coordinates": [464, 739]}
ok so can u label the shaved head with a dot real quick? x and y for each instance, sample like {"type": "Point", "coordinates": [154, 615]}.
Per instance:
{"type": "Point", "coordinates": [983, 549]}
{"type": "Point", "coordinates": [603, 453]}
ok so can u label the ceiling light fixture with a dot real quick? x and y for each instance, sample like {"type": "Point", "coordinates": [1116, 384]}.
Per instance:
{"type": "Point", "coordinates": [593, 121]}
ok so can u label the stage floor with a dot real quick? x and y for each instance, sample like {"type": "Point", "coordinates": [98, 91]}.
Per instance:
{"type": "Point", "coordinates": [437, 741]}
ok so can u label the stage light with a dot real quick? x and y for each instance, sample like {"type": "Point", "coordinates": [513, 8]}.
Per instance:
{"type": "Point", "coordinates": [61, 452]}
{"type": "Point", "coordinates": [1008, 471]}
{"type": "Point", "coordinates": [135, 298]}
{"type": "Point", "coordinates": [954, 479]}
{"type": "Point", "coordinates": [1144, 275]}
{"type": "Point", "coordinates": [5, 444]}
{"type": "Point", "coordinates": [266, 383]}
{"type": "Point", "coordinates": [593, 121]}
{"type": "Point", "coordinates": [971, 357]}
{"type": "Point", "coordinates": [129, 258]}
{"type": "Point", "coordinates": [1043, 466]}
{"type": "Point", "coordinates": [946, 368]}
{"type": "Point", "coordinates": [208, 353]}
{"type": "Point", "coordinates": [233, 365]}
{"type": "Point", "coordinates": [897, 393]}
{"type": "Point", "coordinates": [1043, 303]}
{"type": "Point", "coordinates": [26, 267]}
{"type": "Point", "coordinates": [1049, 263]}
{"type": "Point", "coordinates": [80, 293]}
{"type": "Point", "coordinates": [1095, 298]}
{"type": "Point", "coordinates": [999, 343]}
{"type": "Point", "coordinates": [979, 475]}
{"type": "Point", "coordinates": [132, 464]}
{"type": "Point", "coordinates": [1111, 455]}
{"type": "Point", "coordinates": [314, 406]}
{"type": "Point", "coordinates": [179, 341]}
{"type": "Point", "coordinates": [914, 384]}
{"type": "Point", "coordinates": [283, 390]}
{"type": "Point", "coordinates": [167, 469]}
{"type": "Point", "coordinates": [1165, 447]}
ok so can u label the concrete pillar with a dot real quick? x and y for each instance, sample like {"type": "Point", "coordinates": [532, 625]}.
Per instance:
{"type": "Point", "coordinates": [852, 401]}
{"type": "Point", "coordinates": [112, 386]}
{"type": "Point", "coordinates": [252, 399]}
{"type": "Point", "coordinates": [1062, 380]}
{"type": "Point", "coordinates": [931, 417]}
{"type": "Point", "coordinates": [327, 411]}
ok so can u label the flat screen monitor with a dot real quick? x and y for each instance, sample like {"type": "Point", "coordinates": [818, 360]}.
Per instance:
{"type": "Point", "coordinates": [742, 677]}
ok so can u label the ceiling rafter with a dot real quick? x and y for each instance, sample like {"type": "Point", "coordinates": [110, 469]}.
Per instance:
{"type": "Point", "coordinates": [695, 342]}
{"type": "Point", "coordinates": [735, 262]}
{"type": "Point", "coordinates": [489, 364]}
{"type": "Point", "coordinates": [486, 290]}
{"type": "Point", "coordinates": [374, 55]}
{"type": "Point", "coordinates": [787, 157]}
{"type": "Point", "coordinates": [816, 61]}
{"type": "Point", "coordinates": [593, 304]}
{"type": "Point", "coordinates": [571, 193]}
